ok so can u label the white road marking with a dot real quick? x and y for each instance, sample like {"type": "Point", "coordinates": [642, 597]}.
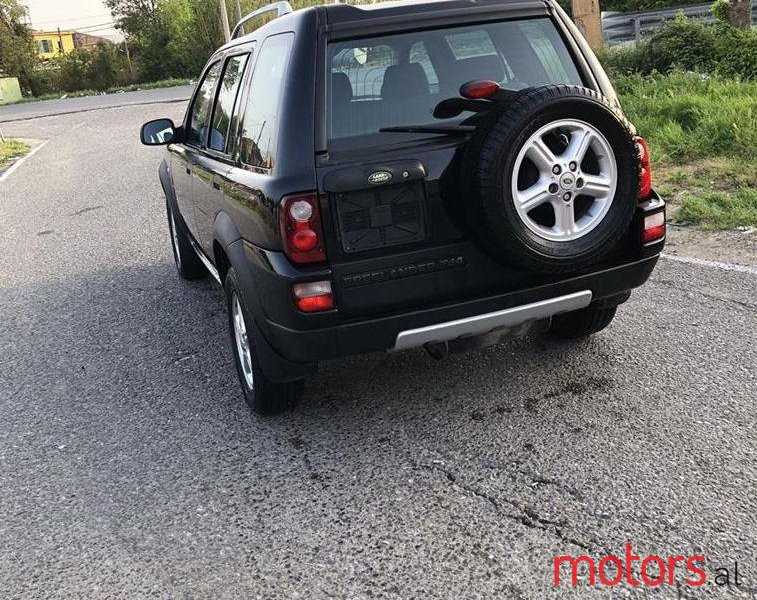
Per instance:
{"type": "Point", "coordinates": [19, 162]}
{"type": "Point", "coordinates": [711, 264]}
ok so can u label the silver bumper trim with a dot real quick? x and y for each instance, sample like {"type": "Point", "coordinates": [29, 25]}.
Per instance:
{"type": "Point", "coordinates": [502, 319]}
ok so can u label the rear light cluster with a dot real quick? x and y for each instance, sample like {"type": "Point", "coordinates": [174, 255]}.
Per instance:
{"type": "Point", "coordinates": [645, 170]}
{"type": "Point", "coordinates": [314, 297]}
{"type": "Point", "coordinates": [301, 229]}
{"type": "Point", "coordinates": [654, 228]}
{"type": "Point", "coordinates": [302, 235]}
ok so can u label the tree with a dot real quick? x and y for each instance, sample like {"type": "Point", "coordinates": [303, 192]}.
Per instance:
{"type": "Point", "coordinates": [168, 38]}
{"type": "Point", "coordinates": [737, 13]}
{"type": "Point", "coordinates": [17, 55]}
{"type": "Point", "coordinates": [194, 32]}
{"type": "Point", "coordinates": [143, 24]}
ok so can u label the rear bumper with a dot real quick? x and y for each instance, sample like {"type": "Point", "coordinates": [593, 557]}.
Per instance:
{"type": "Point", "coordinates": [501, 320]}
{"type": "Point", "coordinates": [450, 321]}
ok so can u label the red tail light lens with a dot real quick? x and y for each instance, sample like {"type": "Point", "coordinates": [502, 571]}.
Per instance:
{"type": "Point", "coordinates": [314, 297]}
{"type": "Point", "coordinates": [301, 229]}
{"type": "Point", "coordinates": [645, 170]}
{"type": "Point", "coordinates": [480, 89]}
{"type": "Point", "coordinates": [654, 228]}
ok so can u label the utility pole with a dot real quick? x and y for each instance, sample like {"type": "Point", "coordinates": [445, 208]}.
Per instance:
{"type": "Point", "coordinates": [239, 11]}
{"type": "Point", "coordinates": [588, 19]}
{"type": "Point", "coordinates": [224, 20]}
{"type": "Point", "coordinates": [128, 59]}
{"type": "Point", "coordinates": [60, 42]}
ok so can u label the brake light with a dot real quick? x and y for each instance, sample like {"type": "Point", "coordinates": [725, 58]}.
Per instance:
{"type": "Point", "coordinates": [654, 228]}
{"type": "Point", "coordinates": [314, 297]}
{"type": "Point", "coordinates": [480, 89]}
{"type": "Point", "coordinates": [645, 170]}
{"type": "Point", "coordinates": [301, 229]}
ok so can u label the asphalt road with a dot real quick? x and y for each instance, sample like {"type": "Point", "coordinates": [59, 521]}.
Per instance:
{"type": "Point", "coordinates": [31, 110]}
{"type": "Point", "coordinates": [131, 468]}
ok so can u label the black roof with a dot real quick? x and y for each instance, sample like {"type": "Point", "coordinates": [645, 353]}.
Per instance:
{"type": "Point", "coordinates": [386, 17]}
{"type": "Point", "coordinates": [338, 14]}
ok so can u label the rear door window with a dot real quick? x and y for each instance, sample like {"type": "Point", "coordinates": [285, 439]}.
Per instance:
{"type": "Point", "coordinates": [203, 103]}
{"type": "Point", "coordinates": [261, 118]}
{"type": "Point", "coordinates": [224, 108]}
{"type": "Point", "coordinates": [397, 80]}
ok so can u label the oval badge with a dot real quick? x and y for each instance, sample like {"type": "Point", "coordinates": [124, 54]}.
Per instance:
{"type": "Point", "coordinates": [379, 177]}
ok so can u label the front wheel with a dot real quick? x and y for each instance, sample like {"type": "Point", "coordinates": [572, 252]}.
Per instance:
{"type": "Point", "coordinates": [582, 323]}
{"type": "Point", "coordinates": [264, 396]}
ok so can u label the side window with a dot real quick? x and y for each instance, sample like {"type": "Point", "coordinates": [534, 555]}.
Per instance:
{"type": "Point", "coordinates": [227, 95]}
{"type": "Point", "coordinates": [261, 119]}
{"type": "Point", "coordinates": [200, 114]}
{"type": "Point", "coordinates": [419, 54]}
{"type": "Point", "coordinates": [544, 41]}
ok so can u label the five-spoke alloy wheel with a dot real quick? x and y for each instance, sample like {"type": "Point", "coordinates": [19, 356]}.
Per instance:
{"type": "Point", "coordinates": [578, 184]}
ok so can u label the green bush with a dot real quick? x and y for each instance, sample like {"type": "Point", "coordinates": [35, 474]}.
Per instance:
{"type": "Point", "coordinates": [44, 80]}
{"type": "Point", "coordinates": [98, 69]}
{"type": "Point", "coordinates": [686, 45]}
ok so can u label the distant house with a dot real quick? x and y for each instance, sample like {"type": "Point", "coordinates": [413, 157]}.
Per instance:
{"type": "Point", "coordinates": [52, 43]}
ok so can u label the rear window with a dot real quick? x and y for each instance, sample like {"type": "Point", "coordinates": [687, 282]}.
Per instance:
{"type": "Point", "coordinates": [397, 80]}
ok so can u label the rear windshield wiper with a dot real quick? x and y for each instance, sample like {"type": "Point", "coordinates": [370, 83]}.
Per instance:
{"type": "Point", "coordinates": [439, 129]}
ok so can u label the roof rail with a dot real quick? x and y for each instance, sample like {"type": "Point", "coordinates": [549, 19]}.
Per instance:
{"type": "Point", "coordinates": [280, 8]}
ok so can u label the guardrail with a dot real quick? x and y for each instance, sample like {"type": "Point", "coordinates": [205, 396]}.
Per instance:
{"type": "Point", "coordinates": [620, 28]}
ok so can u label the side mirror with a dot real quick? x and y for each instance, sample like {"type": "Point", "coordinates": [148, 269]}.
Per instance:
{"type": "Point", "coordinates": [158, 133]}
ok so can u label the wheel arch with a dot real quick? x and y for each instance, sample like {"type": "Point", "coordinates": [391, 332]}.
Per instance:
{"type": "Point", "coordinates": [229, 251]}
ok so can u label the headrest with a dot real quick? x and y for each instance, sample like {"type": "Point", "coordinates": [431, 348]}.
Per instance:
{"type": "Point", "coordinates": [405, 81]}
{"type": "Point", "coordinates": [341, 88]}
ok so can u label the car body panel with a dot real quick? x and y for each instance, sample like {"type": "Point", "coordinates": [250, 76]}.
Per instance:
{"type": "Point", "coordinates": [232, 210]}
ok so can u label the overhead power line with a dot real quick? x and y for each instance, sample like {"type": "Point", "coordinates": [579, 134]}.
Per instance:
{"type": "Point", "coordinates": [87, 29]}
{"type": "Point", "coordinates": [78, 18]}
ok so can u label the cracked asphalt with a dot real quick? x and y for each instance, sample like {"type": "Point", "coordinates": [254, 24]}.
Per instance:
{"type": "Point", "coordinates": [131, 468]}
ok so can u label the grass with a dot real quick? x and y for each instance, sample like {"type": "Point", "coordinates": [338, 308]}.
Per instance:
{"type": "Point", "coordinates": [10, 149]}
{"type": "Point", "coordinates": [703, 136]}
{"type": "Point", "coordinates": [720, 210]}
{"type": "Point", "coordinates": [164, 83]}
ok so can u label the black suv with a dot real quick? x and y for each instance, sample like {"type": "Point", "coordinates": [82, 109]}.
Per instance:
{"type": "Point", "coordinates": [438, 174]}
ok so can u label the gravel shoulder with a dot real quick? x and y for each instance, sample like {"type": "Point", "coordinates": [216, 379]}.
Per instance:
{"type": "Point", "coordinates": [737, 247]}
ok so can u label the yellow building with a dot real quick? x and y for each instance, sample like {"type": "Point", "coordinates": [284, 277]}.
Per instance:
{"type": "Point", "coordinates": [52, 43]}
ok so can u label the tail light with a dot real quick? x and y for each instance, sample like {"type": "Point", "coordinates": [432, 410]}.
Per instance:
{"type": "Point", "coordinates": [314, 297]}
{"type": "Point", "coordinates": [654, 228]}
{"type": "Point", "coordinates": [480, 89]}
{"type": "Point", "coordinates": [645, 170]}
{"type": "Point", "coordinates": [301, 229]}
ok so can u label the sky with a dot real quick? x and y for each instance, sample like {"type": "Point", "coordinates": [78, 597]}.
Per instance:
{"type": "Point", "coordinates": [87, 16]}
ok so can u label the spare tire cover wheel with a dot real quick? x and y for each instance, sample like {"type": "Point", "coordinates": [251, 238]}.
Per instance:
{"type": "Point", "coordinates": [554, 179]}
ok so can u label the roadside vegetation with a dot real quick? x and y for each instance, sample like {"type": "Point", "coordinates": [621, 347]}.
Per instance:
{"type": "Point", "coordinates": [691, 90]}
{"type": "Point", "coordinates": [134, 87]}
{"type": "Point", "coordinates": [10, 149]}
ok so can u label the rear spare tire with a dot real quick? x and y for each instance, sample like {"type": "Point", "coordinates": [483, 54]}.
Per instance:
{"type": "Point", "coordinates": [552, 179]}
